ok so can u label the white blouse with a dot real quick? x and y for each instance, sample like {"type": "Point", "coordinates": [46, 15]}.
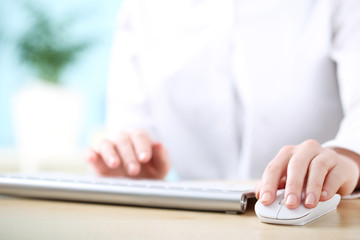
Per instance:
{"type": "Point", "coordinates": [224, 84]}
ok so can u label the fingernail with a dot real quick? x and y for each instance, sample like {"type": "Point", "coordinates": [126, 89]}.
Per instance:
{"type": "Point", "coordinates": [310, 199]}
{"type": "Point", "coordinates": [324, 194]}
{"type": "Point", "coordinates": [291, 199]}
{"type": "Point", "coordinates": [142, 157]}
{"type": "Point", "coordinates": [133, 169]}
{"type": "Point", "coordinates": [265, 197]}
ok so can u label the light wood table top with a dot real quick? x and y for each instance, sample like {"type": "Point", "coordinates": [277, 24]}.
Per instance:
{"type": "Point", "coordinates": [43, 219]}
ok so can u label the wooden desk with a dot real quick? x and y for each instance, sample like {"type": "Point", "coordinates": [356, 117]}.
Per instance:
{"type": "Point", "coordinates": [41, 219]}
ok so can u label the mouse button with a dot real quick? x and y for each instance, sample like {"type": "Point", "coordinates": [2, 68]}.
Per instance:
{"type": "Point", "coordinates": [332, 203]}
{"type": "Point", "coordinates": [270, 211]}
{"type": "Point", "coordinates": [279, 199]}
{"type": "Point", "coordinates": [288, 214]}
{"type": "Point", "coordinates": [280, 193]}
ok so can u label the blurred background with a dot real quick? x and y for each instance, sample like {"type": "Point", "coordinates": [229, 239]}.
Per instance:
{"type": "Point", "coordinates": [53, 69]}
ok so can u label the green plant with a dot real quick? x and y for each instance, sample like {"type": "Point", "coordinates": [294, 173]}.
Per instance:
{"type": "Point", "coordinates": [46, 47]}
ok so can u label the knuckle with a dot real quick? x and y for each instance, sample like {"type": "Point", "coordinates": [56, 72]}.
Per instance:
{"type": "Point", "coordinates": [296, 163]}
{"type": "Point", "coordinates": [272, 168]}
{"type": "Point", "coordinates": [126, 156]}
{"type": "Point", "coordinates": [286, 150]}
{"type": "Point", "coordinates": [315, 184]}
{"type": "Point", "coordinates": [123, 138]}
{"type": "Point", "coordinates": [311, 143]}
{"type": "Point", "coordinates": [320, 162]}
{"type": "Point", "coordinates": [105, 145]}
{"type": "Point", "coordinates": [331, 154]}
{"type": "Point", "coordinates": [138, 133]}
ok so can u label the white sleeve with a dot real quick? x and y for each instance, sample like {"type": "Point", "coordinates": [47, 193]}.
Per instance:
{"type": "Point", "coordinates": [346, 54]}
{"type": "Point", "coordinates": [126, 106]}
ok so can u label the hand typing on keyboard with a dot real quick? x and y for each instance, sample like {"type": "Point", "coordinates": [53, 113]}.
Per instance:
{"type": "Point", "coordinates": [133, 155]}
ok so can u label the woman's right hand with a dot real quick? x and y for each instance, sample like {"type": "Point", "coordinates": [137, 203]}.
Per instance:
{"type": "Point", "coordinates": [132, 155]}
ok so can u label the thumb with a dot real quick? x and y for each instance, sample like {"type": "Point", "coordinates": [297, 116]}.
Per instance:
{"type": "Point", "coordinates": [160, 162]}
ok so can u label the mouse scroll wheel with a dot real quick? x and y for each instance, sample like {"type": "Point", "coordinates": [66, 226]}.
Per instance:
{"type": "Point", "coordinates": [282, 202]}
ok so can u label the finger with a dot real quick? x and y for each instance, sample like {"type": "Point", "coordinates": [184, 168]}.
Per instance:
{"type": "Point", "coordinates": [318, 169]}
{"type": "Point", "coordinates": [282, 182]}
{"type": "Point", "coordinates": [297, 171]}
{"type": "Point", "coordinates": [347, 164]}
{"type": "Point", "coordinates": [142, 144]}
{"type": "Point", "coordinates": [97, 162]}
{"type": "Point", "coordinates": [109, 154]}
{"type": "Point", "coordinates": [159, 165]}
{"type": "Point", "coordinates": [258, 186]}
{"type": "Point", "coordinates": [338, 182]}
{"type": "Point", "coordinates": [332, 184]}
{"type": "Point", "coordinates": [273, 173]}
{"type": "Point", "coordinates": [257, 189]}
{"type": "Point", "coordinates": [91, 155]}
{"type": "Point", "coordinates": [127, 154]}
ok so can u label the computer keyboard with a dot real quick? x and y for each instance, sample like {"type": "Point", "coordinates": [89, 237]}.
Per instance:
{"type": "Point", "coordinates": [204, 196]}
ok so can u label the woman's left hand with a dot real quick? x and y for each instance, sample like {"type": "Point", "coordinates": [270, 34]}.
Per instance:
{"type": "Point", "coordinates": [319, 172]}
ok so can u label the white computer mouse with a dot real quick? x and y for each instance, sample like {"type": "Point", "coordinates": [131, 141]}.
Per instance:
{"type": "Point", "coordinates": [278, 213]}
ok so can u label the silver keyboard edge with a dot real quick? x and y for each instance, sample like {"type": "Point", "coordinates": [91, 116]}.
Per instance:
{"type": "Point", "coordinates": [116, 194]}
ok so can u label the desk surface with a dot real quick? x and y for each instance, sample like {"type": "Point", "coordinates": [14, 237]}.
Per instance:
{"type": "Point", "coordinates": [42, 219]}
